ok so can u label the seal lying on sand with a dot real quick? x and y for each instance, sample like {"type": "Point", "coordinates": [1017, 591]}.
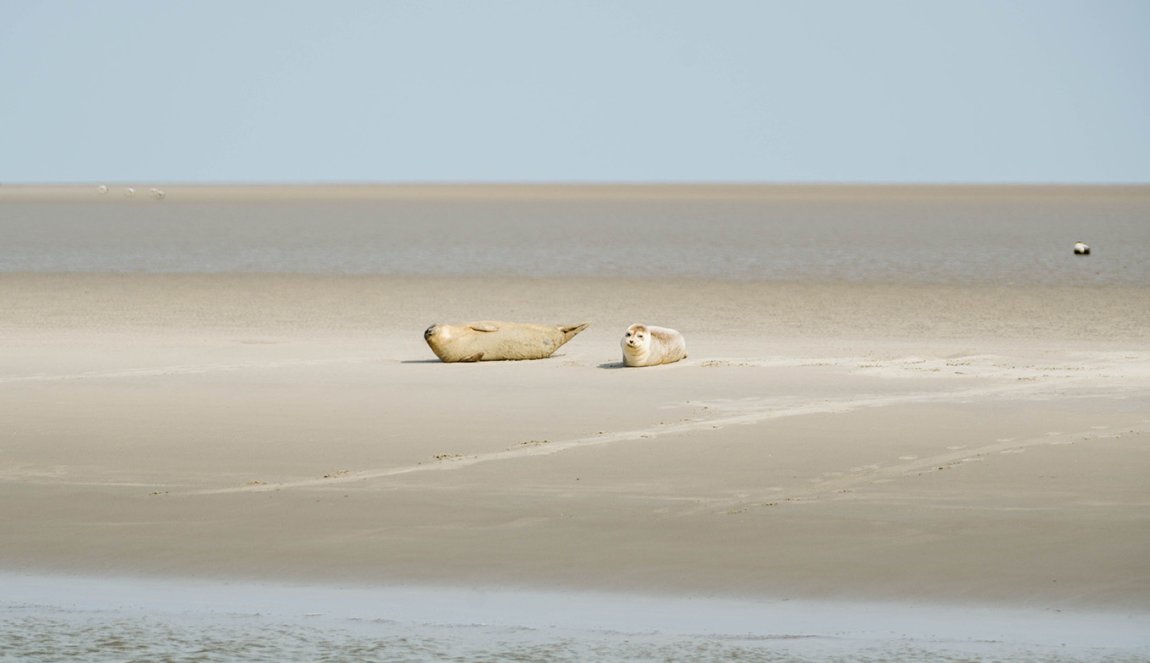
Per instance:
{"type": "Point", "coordinates": [647, 345]}
{"type": "Point", "coordinates": [493, 341]}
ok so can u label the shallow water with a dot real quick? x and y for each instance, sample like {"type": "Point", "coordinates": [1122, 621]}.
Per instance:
{"type": "Point", "coordinates": [969, 238]}
{"type": "Point", "coordinates": [49, 618]}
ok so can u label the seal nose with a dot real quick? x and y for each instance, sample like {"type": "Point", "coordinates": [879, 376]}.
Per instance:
{"type": "Point", "coordinates": [430, 331]}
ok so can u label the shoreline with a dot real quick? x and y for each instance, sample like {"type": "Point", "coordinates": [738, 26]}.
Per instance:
{"type": "Point", "coordinates": [169, 618]}
{"type": "Point", "coordinates": [590, 610]}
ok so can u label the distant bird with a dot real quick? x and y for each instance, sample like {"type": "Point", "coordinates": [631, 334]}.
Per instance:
{"type": "Point", "coordinates": [129, 192]}
{"type": "Point", "coordinates": [1081, 249]}
{"type": "Point", "coordinates": [103, 188]}
{"type": "Point", "coordinates": [158, 194]}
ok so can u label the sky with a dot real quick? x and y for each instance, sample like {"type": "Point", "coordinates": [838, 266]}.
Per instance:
{"type": "Point", "coordinates": [812, 91]}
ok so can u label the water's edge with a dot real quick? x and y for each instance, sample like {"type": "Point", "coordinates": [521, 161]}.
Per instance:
{"type": "Point", "coordinates": [173, 617]}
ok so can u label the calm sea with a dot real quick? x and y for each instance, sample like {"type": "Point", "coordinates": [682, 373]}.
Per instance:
{"type": "Point", "coordinates": [962, 236]}
{"type": "Point", "coordinates": [117, 619]}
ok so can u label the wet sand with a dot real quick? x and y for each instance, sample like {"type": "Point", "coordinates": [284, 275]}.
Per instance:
{"type": "Point", "coordinates": [823, 441]}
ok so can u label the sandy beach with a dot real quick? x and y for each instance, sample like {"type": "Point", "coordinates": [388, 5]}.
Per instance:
{"type": "Point", "coordinates": [274, 426]}
{"type": "Point", "coordinates": [947, 443]}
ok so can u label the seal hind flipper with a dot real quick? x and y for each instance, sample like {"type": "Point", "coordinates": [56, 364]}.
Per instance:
{"type": "Point", "coordinates": [569, 331]}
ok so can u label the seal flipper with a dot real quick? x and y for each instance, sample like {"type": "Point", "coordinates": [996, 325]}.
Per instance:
{"type": "Point", "coordinates": [478, 356]}
{"type": "Point", "coordinates": [483, 327]}
{"type": "Point", "coordinates": [571, 330]}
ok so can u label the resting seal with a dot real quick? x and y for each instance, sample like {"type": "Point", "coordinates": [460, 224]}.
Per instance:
{"type": "Point", "coordinates": [493, 341]}
{"type": "Point", "coordinates": [1081, 249]}
{"type": "Point", "coordinates": [648, 345]}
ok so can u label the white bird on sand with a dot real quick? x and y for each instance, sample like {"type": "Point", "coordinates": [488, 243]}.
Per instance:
{"type": "Point", "coordinates": [103, 188]}
{"type": "Point", "coordinates": [1081, 249]}
{"type": "Point", "coordinates": [129, 192]}
{"type": "Point", "coordinates": [158, 194]}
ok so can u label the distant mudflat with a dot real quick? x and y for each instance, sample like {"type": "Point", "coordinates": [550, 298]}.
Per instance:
{"type": "Point", "coordinates": [973, 234]}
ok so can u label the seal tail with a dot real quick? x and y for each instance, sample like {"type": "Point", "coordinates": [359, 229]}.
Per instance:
{"type": "Point", "coordinates": [570, 331]}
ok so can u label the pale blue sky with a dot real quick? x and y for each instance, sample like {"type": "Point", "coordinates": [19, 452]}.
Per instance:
{"type": "Point", "coordinates": [537, 91]}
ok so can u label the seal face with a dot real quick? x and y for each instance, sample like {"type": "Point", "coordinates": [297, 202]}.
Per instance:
{"type": "Point", "coordinates": [497, 341]}
{"type": "Point", "coordinates": [648, 345]}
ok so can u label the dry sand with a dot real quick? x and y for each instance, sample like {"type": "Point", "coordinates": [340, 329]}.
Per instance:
{"type": "Point", "coordinates": [934, 443]}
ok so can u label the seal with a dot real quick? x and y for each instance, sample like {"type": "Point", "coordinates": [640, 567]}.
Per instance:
{"type": "Point", "coordinates": [1081, 249]}
{"type": "Point", "coordinates": [495, 341]}
{"type": "Point", "coordinates": [648, 345]}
